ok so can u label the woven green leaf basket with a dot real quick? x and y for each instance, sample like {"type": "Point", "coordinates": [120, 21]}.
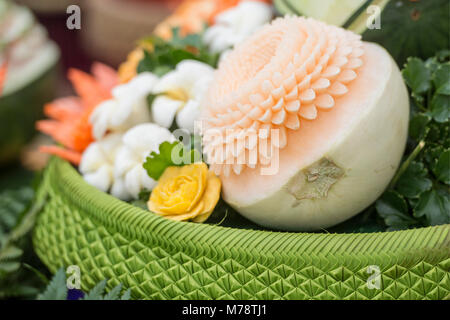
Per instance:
{"type": "Point", "coordinates": [162, 259]}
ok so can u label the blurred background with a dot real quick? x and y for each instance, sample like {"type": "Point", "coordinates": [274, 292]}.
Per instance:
{"type": "Point", "coordinates": [109, 31]}
{"type": "Point", "coordinates": [36, 51]}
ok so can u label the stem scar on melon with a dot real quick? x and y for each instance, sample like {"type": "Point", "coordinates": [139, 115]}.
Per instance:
{"type": "Point", "coordinates": [339, 107]}
{"type": "Point", "coordinates": [314, 181]}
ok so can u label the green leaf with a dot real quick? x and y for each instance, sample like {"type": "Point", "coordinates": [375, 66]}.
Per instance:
{"type": "Point", "coordinates": [414, 181]}
{"type": "Point", "coordinates": [438, 133]}
{"type": "Point", "coordinates": [15, 223]}
{"type": "Point", "coordinates": [440, 108]}
{"type": "Point", "coordinates": [140, 204]}
{"type": "Point", "coordinates": [432, 155]}
{"type": "Point", "coordinates": [441, 79]}
{"type": "Point", "coordinates": [422, 194]}
{"type": "Point", "coordinates": [41, 276]}
{"type": "Point", "coordinates": [442, 168]}
{"type": "Point", "coordinates": [142, 200]}
{"type": "Point", "coordinates": [114, 293]}
{"type": "Point", "coordinates": [393, 208]}
{"type": "Point", "coordinates": [144, 195]}
{"type": "Point", "coordinates": [180, 55]}
{"type": "Point", "coordinates": [9, 266]}
{"type": "Point", "coordinates": [432, 64]}
{"type": "Point", "coordinates": [191, 40]}
{"type": "Point", "coordinates": [167, 54]}
{"type": "Point", "coordinates": [147, 63]}
{"type": "Point", "coordinates": [126, 295]}
{"type": "Point", "coordinates": [170, 154]}
{"type": "Point", "coordinates": [97, 292]}
{"type": "Point", "coordinates": [12, 205]}
{"type": "Point", "coordinates": [17, 216]}
{"type": "Point", "coordinates": [443, 55]}
{"type": "Point", "coordinates": [418, 126]}
{"type": "Point", "coordinates": [57, 288]}
{"type": "Point", "coordinates": [434, 206]}
{"type": "Point", "coordinates": [7, 254]}
{"type": "Point", "coordinates": [18, 291]}
{"type": "Point", "coordinates": [156, 163]}
{"type": "Point", "coordinates": [10, 252]}
{"type": "Point", "coordinates": [417, 76]}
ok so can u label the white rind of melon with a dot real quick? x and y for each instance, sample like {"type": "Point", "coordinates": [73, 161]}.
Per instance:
{"type": "Point", "coordinates": [331, 11]}
{"type": "Point", "coordinates": [368, 151]}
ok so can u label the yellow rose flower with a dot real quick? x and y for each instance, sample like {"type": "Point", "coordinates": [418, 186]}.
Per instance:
{"type": "Point", "coordinates": [190, 192]}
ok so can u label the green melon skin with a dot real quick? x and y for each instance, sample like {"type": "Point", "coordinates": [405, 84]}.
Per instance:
{"type": "Point", "coordinates": [413, 29]}
{"type": "Point", "coordinates": [20, 110]}
{"type": "Point", "coordinates": [408, 28]}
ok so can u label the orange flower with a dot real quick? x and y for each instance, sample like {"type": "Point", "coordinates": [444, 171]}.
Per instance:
{"type": "Point", "coordinates": [70, 124]}
{"type": "Point", "coordinates": [128, 69]}
{"type": "Point", "coordinates": [3, 71]}
{"type": "Point", "coordinates": [191, 16]}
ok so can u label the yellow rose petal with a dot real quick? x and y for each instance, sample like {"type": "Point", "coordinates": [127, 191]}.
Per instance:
{"type": "Point", "coordinates": [187, 216]}
{"type": "Point", "coordinates": [210, 197]}
{"type": "Point", "coordinates": [179, 190]}
{"type": "Point", "coordinates": [203, 217]}
{"type": "Point", "coordinates": [199, 170]}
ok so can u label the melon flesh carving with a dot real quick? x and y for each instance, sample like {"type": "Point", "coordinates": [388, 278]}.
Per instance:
{"type": "Point", "coordinates": [305, 124]}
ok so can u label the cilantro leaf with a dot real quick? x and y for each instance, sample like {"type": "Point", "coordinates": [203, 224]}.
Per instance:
{"type": "Point", "coordinates": [441, 79]}
{"type": "Point", "coordinates": [440, 107]}
{"type": "Point", "coordinates": [442, 168]}
{"type": "Point", "coordinates": [170, 154]}
{"type": "Point", "coordinates": [419, 193]}
{"type": "Point", "coordinates": [393, 208]}
{"type": "Point", "coordinates": [417, 76]}
{"type": "Point", "coordinates": [418, 126]}
{"type": "Point", "coordinates": [155, 164]}
{"type": "Point", "coordinates": [434, 206]}
{"type": "Point", "coordinates": [191, 40]}
{"type": "Point", "coordinates": [414, 181]}
{"type": "Point", "coordinates": [167, 54]}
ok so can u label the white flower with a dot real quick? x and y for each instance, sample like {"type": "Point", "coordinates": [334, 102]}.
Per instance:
{"type": "Point", "coordinates": [127, 108]}
{"type": "Point", "coordinates": [236, 24]}
{"type": "Point", "coordinates": [181, 93]}
{"type": "Point", "coordinates": [97, 165]}
{"type": "Point", "coordinates": [138, 143]}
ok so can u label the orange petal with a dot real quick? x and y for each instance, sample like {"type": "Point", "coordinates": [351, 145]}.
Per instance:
{"type": "Point", "coordinates": [82, 135]}
{"type": "Point", "coordinates": [64, 109]}
{"type": "Point", "coordinates": [88, 88]}
{"type": "Point", "coordinates": [3, 71]}
{"type": "Point", "coordinates": [59, 131]}
{"type": "Point", "coordinates": [71, 156]}
{"type": "Point", "coordinates": [105, 75]}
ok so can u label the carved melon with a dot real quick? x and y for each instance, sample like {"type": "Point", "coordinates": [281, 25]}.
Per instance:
{"type": "Point", "coordinates": [29, 80]}
{"type": "Point", "coordinates": [341, 111]}
{"type": "Point", "coordinates": [407, 28]}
